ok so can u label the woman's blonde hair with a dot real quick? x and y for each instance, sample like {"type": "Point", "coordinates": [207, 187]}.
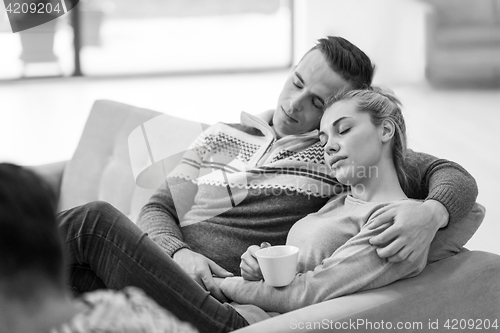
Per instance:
{"type": "Point", "coordinates": [382, 105]}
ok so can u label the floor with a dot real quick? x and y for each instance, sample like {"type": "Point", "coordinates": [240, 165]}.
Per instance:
{"type": "Point", "coordinates": [41, 120]}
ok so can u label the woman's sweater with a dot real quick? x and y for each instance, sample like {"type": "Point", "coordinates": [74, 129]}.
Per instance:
{"type": "Point", "coordinates": [335, 259]}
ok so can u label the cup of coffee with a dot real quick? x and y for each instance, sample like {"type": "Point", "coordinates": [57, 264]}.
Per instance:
{"type": "Point", "coordinates": [278, 264]}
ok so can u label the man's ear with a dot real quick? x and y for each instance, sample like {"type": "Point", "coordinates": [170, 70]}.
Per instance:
{"type": "Point", "coordinates": [387, 130]}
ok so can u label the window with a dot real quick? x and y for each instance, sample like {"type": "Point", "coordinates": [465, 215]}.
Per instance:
{"type": "Point", "coordinates": [153, 37]}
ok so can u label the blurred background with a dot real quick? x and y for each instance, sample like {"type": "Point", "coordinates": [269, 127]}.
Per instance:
{"type": "Point", "coordinates": [207, 60]}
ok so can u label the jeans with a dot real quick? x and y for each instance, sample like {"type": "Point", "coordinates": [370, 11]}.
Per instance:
{"type": "Point", "coordinates": [107, 250]}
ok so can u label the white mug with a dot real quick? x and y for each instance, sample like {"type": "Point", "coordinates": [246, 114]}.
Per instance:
{"type": "Point", "coordinates": [278, 264]}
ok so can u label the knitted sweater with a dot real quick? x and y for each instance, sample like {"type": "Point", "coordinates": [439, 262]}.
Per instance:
{"type": "Point", "coordinates": [335, 259]}
{"type": "Point", "coordinates": [239, 185]}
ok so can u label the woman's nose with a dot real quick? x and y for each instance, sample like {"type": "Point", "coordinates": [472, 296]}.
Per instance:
{"type": "Point", "coordinates": [332, 148]}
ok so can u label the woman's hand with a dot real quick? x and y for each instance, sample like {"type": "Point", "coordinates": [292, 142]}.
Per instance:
{"type": "Point", "coordinates": [220, 297]}
{"type": "Point", "coordinates": [202, 270]}
{"type": "Point", "coordinates": [413, 226]}
{"type": "Point", "coordinates": [250, 269]}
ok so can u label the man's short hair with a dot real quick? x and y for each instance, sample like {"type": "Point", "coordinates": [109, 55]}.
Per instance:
{"type": "Point", "coordinates": [29, 238]}
{"type": "Point", "coordinates": [347, 60]}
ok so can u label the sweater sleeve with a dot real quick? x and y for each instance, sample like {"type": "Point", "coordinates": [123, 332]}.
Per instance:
{"type": "Point", "coordinates": [443, 181]}
{"type": "Point", "coordinates": [354, 266]}
{"type": "Point", "coordinates": [160, 216]}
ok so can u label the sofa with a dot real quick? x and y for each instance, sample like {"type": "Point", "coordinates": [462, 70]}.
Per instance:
{"type": "Point", "coordinates": [456, 286]}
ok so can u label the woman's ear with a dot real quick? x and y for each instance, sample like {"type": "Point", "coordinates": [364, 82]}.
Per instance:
{"type": "Point", "coordinates": [387, 130]}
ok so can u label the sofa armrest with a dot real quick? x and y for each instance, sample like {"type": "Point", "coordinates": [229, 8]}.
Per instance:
{"type": "Point", "coordinates": [465, 286]}
{"type": "Point", "coordinates": [52, 173]}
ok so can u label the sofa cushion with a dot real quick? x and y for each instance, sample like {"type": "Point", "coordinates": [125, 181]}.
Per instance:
{"type": "Point", "coordinates": [464, 286]}
{"type": "Point", "coordinates": [100, 168]}
{"type": "Point", "coordinates": [451, 239]}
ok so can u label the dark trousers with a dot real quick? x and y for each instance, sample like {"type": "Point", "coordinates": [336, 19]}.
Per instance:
{"type": "Point", "coordinates": [107, 250]}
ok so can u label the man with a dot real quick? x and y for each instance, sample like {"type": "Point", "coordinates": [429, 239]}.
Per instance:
{"type": "Point", "coordinates": [279, 176]}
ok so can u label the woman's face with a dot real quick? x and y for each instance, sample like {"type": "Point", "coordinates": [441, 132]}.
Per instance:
{"type": "Point", "coordinates": [352, 144]}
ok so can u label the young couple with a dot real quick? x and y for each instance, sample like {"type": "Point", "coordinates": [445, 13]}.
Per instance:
{"type": "Point", "coordinates": [349, 241]}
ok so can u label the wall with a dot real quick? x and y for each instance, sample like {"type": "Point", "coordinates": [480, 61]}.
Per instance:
{"type": "Point", "coordinates": [391, 32]}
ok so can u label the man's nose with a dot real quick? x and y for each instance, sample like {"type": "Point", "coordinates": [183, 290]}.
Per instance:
{"type": "Point", "coordinates": [297, 103]}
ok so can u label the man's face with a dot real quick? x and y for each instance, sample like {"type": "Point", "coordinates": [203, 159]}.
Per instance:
{"type": "Point", "coordinates": [301, 101]}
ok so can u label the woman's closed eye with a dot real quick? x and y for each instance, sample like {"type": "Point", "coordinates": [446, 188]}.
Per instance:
{"type": "Point", "coordinates": [343, 131]}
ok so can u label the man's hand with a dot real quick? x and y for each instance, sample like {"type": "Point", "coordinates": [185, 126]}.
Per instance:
{"type": "Point", "coordinates": [412, 227]}
{"type": "Point", "coordinates": [250, 269]}
{"type": "Point", "coordinates": [202, 269]}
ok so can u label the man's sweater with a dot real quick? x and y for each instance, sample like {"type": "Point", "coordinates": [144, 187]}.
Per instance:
{"type": "Point", "coordinates": [335, 259]}
{"type": "Point", "coordinates": [238, 186]}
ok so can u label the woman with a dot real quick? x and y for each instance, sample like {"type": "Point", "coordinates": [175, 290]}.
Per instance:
{"type": "Point", "coordinates": [363, 134]}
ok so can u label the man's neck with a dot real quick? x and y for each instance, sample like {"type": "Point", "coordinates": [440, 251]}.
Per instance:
{"type": "Point", "coordinates": [278, 135]}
